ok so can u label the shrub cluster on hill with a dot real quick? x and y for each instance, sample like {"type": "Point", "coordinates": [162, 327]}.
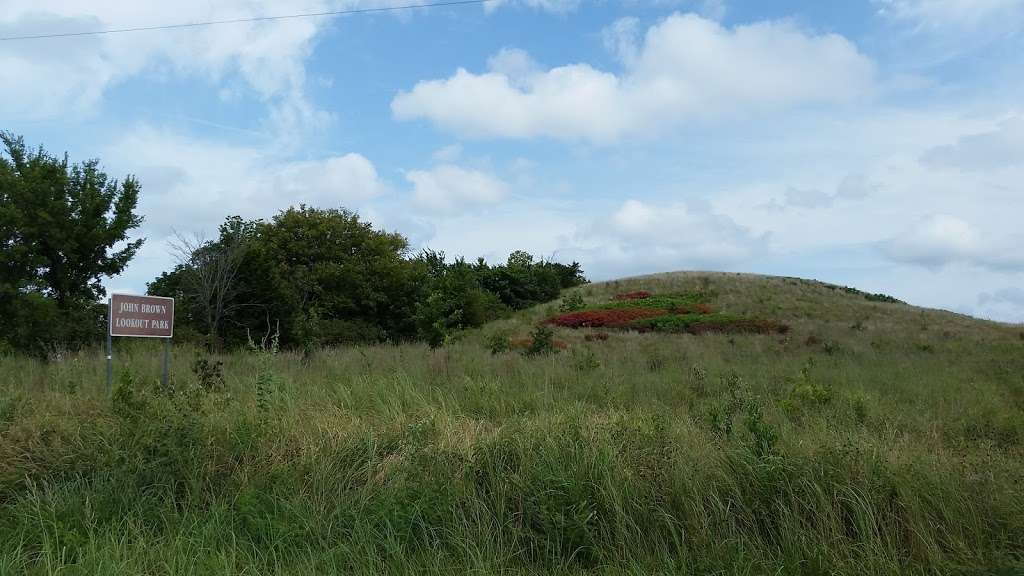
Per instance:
{"type": "Point", "coordinates": [644, 311]}
{"type": "Point", "coordinates": [325, 277]}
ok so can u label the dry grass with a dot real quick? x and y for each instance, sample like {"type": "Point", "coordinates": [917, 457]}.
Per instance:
{"type": "Point", "coordinates": [874, 438]}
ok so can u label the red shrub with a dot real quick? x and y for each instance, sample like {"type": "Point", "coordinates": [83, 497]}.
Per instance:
{"type": "Point", "coordinates": [638, 295]}
{"type": "Point", "coordinates": [600, 318]}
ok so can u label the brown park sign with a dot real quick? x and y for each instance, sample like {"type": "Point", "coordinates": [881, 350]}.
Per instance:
{"type": "Point", "coordinates": [141, 316]}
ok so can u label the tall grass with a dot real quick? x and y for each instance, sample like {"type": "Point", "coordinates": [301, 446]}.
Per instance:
{"type": "Point", "coordinates": [874, 438]}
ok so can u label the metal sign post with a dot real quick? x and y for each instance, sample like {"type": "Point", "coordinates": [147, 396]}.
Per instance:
{"type": "Point", "coordinates": [140, 317]}
{"type": "Point", "coordinates": [110, 351]}
{"type": "Point", "coordinates": [165, 376]}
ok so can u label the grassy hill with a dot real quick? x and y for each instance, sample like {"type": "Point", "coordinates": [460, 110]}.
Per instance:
{"type": "Point", "coordinates": [866, 437]}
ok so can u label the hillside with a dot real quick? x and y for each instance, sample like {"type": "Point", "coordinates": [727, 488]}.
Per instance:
{"type": "Point", "coordinates": [855, 436]}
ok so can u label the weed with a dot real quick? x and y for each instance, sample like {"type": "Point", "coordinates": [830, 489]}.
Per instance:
{"type": "Point", "coordinates": [585, 360]}
{"type": "Point", "coordinates": [723, 414]}
{"type": "Point", "coordinates": [129, 401]}
{"type": "Point", "coordinates": [572, 302]}
{"type": "Point", "coordinates": [498, 342]}
{"type": "Point", "coordinates": [396, 459]}
{"type": "Point", "coordinates": [596, 337]}
{"type": "Point", "coordinates": [762, 436]}
{"type": "Point", "coordinates": [860, 410]}
{"type": "Point", "coordinates": [806, 393]}
{"type": "Point", "coordinates": [542, 341]}
{"type": "Point", "coordinates": [209, 373]}
{"type": "Point", "coordinates": [698, 379]}
{"type": "Point", "coordinates": [655, 363]}
{"type": "Point", "coordinates": [831, 347]}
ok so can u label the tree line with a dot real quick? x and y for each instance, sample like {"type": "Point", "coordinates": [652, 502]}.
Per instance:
{"type": "Point", "coordinates": [308, 277]}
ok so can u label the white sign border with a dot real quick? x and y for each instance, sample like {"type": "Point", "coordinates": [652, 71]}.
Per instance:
{"type": "Point", "coordinates": [110, 316]}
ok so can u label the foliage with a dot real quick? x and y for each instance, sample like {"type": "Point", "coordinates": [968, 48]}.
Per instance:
{"type": "Point", "coordinates": [680, 312]}
{"type": "Point", "coordinates": [807, 392]}
{"type": "Point", "coordinates": [572, 302]}
{"type": "Point", "coordinates": [603, 318]}
{"type": "Point", "coordinates": [709, 323]}
{"type": "Point", "coordinates": [328, 278]}
{"type": "Point", "coordinates": [867, 295]}
{"type": "Point", "coordinates": [522, 282]}
{"type": "Point", "coordinates": [377, 460]}
{"type": "Point", "coordinates": [542, 341]}
{"type": "Point", "coordinates": [498, 342]}
{"type": "Point", "coordinates": [63, 228]}
{"type": "Point", "coordinates": [454, 300]}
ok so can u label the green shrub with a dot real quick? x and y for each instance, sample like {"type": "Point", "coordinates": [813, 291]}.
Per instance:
{"type": "Point", "coordinates": [209, 373]}
{"type": "Point", "coordinates": [498, 342]}
{"type": "Point", "coordinates": [572, 302]}
{"type": "Point", "coordinates": [542, 341]}
{"type": "Point", "coordinates": [806, 393]}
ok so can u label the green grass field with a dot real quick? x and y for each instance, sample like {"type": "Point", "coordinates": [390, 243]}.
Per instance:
{"type": "Point", "coordinates": [872, 438]}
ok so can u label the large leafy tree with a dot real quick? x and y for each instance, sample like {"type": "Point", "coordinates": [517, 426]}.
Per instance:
{"type": "Point", "coordinates": [339, 278]}
{"type": "Point", "coordinates": [63, 228]}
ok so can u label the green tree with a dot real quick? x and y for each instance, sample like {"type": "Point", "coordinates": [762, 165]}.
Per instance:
{"type": "Point", "coordinates": [59, 226]}
{"type": "Point", "coordinates": [338, 279]}
{"type": "Point", "coordinates": [454, 299]}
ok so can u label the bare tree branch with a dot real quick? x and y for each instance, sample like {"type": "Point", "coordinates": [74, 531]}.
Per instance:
{"type": "Point", "coordinates": [210, 270]}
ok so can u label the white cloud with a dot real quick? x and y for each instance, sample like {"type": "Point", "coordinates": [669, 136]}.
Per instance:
{"type": "Point", "coordinates": [449, 188]}
{"type": "Point", "coordinates": [555, 6]}
{"type": "Point", "coordinates": [1006, 304]}
{"type": "Point", "coordinates": [999, 148]}
{"type": "Point", "coordinates": [514, 64]}
{"type": "Point", "coordinates": [621, 39]}
{"type": "Point", "coordinates": [447, 154]}
{"type": "Point", "coordinates": [944, 15]}
{"type": "Point", "coordinates": [192, 184]}
{"type": "Point", "coordinates": [934, 241]}
{"type": "Point", "coordinates": [687, 68]}
{"type": "Point", "coordinates": [645, 237]}
{"type": "Point", "coordinates": [942, 239]}
{"type": "Point", "coordinates": [68, 77]}
{"type": "Point", "coordinates": [852, 188]}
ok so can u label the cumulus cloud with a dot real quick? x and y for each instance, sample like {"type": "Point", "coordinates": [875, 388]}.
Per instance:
{"type": "Point", "coordinates": [192, 183]}
{"type": "Point", "coordinates": [641, 236]}
{"type": "Point", "coordinates": [65, 77]}
{"type": "Point", "coordinates": [934, 241]}
{"type": "Point", "coordinates": [942, 239]}
{"type": "Point", "coordinates": [1000, 148]}
{"type": "Point", "coordinates": [449, 188]}
{"type": "Point", "coordinates": [687, 67]}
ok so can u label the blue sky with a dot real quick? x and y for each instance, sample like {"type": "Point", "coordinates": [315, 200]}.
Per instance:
{"type": "Point", "coordinates": [878, 143]}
